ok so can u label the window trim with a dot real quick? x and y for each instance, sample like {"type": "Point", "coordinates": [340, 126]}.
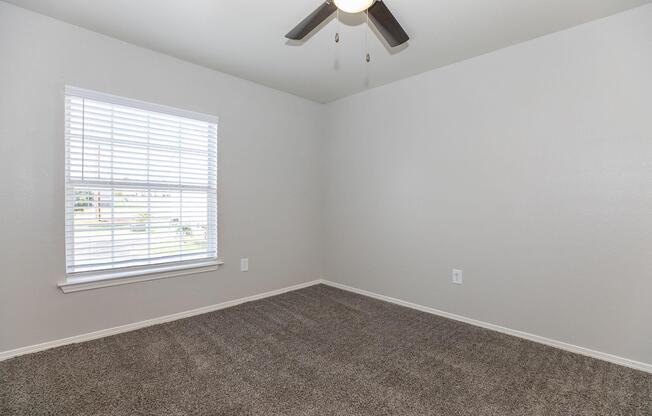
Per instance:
{"type": "Point", "coordinates": [79, 281]}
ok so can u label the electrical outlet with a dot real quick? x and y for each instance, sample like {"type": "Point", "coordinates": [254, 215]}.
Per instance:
{"type": "Point", "coordinates": [458, 276]}
{"type": "Point", "coordinates": [244, 265]}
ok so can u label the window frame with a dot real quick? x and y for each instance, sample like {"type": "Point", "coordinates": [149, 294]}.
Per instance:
{"type": "Point", "coordinates": [84, 280]}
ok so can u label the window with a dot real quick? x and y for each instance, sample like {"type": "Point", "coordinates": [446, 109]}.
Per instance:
{"type": "Point", "coordinates": [141, 186]}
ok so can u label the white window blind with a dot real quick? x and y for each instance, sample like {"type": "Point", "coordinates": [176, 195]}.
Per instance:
{"type": "Point", "coordinates": [141, 184]}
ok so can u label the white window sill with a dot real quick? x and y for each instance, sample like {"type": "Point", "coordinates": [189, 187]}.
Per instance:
{"type": "Point", "coordinates": [96, 281]}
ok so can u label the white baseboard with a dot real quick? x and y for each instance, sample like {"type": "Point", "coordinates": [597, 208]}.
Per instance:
{"type": "Point", "coordinates": [4, 355]}
{"type": "Point", "coordinates": [531, 337]}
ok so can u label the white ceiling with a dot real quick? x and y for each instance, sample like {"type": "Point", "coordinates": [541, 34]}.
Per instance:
{"type": "Point", "coordinates": [246, 38]}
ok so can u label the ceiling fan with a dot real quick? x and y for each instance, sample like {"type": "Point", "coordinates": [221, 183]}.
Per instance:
{"type": "Point", "coordinates": [376, 10]}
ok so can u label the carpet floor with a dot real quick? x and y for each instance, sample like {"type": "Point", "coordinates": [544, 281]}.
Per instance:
{"type": "Point", "coordinates": [317, 351]}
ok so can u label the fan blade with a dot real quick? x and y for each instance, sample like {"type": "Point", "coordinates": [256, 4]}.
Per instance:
{"type": "Point", "coordinates": [387, 24]}
{"type": "Point", "coordinates": [306, 26]}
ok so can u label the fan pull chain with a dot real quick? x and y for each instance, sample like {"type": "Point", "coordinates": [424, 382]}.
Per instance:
{"type": "Point", "coordinates": [337, 32]}
{"type": "Point", "coordinates": [366, 39]}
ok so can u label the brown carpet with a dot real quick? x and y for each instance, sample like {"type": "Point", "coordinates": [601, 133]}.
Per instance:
{"type": "Point", "coordinates": [317, 351]}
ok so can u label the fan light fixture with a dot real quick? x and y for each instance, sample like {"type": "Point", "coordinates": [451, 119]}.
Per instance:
{"type": "Point", "coordinates": [377, 14]}
{"type": "Point", "coordinates": [353, 6]}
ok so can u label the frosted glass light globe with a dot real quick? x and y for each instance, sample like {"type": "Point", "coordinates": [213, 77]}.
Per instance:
{"type": "Point", "coordinates": [353, 6]}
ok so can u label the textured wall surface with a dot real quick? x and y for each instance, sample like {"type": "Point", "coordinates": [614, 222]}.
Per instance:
{"type": "Point", "coordinates": [529, 168]}
{"type": "Point", "coordinates": [268, 167]}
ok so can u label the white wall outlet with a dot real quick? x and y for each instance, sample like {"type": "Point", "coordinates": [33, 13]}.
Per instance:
{"type": "Point", "coordinates": [458, 276]}
{"type": "Point", "coordinates": [244, 265]}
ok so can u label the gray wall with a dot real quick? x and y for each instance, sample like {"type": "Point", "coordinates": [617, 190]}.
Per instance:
{"type": "Point", "coordinates": [268, 165]}
{"type": "Point", "coordinates": [529, 168]}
